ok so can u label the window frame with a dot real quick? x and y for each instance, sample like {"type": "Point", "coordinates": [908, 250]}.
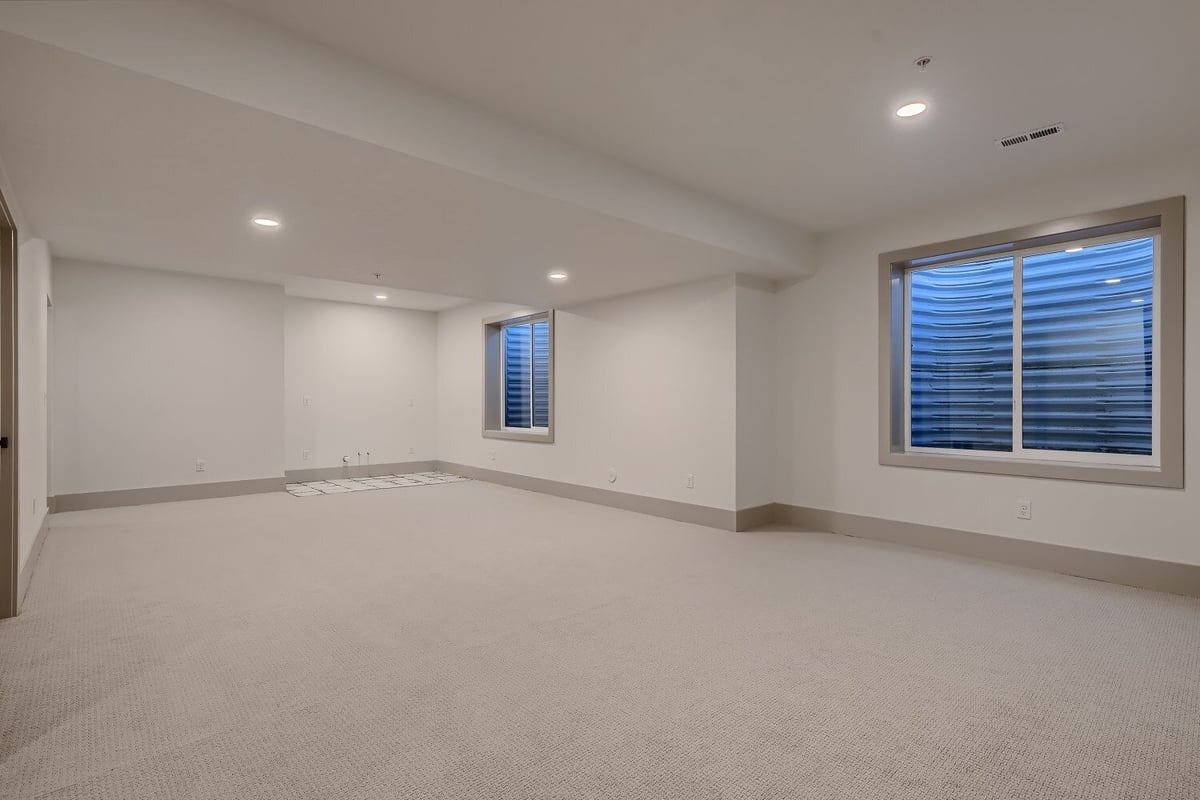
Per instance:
{"type": "Point", "coordinates": [1163, 219]}
{"type": "Point", "coordinates": [493, 379]}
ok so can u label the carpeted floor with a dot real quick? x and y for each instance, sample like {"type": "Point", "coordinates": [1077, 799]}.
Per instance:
{"type": "Point", "coordinates": [472, 641]}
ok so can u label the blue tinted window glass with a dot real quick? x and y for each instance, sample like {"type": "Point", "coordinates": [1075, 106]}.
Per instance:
{"type": "Point", "coordinates": [541, 374]}
{"type": "Point", "coordinates": [1086, 349]}
{"type": "Point", "coordinates": [518, 366]}
{"type": "Point", "coordinates": [527, 375]}
{"type": "Point", "coordinates": [961, 352]}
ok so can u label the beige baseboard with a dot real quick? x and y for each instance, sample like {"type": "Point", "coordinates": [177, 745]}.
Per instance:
{"type": "Point", "coordinates": [754, 517]}
{"type": "Point", "coordinates": [669, 509]}
{"type": "Point", "coordinates": [164, 494]}
{"type": "Point", "coordinates": [1144, 573]}
{"type": "Point", "coordinates": [26, 574]}
{"type": "Point", "coordinates": [347, 471]}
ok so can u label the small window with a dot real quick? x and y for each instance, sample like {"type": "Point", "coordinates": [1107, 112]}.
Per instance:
{"type": "Point", "coordinates": [527, 375]}
{"type": "Point", "coordinates": [1055, 355]}
{"type": "Point", "coordinates": [519, 377]}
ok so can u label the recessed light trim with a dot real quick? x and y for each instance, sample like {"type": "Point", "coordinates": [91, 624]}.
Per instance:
{"type": "Point", "coordinates": [557, 275]}
{"type": "Point", "coordinates": [1112, 280]}
{"type": "Point", "coordinates": [1073, 250]}
{"type": "Point", "coordinates": [266, 222]}
{"type": "Point", "coordinates": [911, 109]}
{"type": "Point", "coordinates": [381, 297]}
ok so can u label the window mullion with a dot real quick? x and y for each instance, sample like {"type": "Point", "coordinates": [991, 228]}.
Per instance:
{"type": "Point", "coordinates": [1156, 351]}
{"type": "Point", "coordinates": [907, 360]}
{"type": "Point", "coordinates": [533, 401]}
{"type": "Point", "coordinates": [504, 377]}
{"type": "Point", "coordinates": [1018, 424]}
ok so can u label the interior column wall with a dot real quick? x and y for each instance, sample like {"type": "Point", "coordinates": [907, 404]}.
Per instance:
{"type": "Point", "coordinates": [32, 438]}
{"type": "Point", "coordinates": [755, 434]}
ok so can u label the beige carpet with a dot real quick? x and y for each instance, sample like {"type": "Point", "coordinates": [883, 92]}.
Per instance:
{"type": "Point", "coordinates": [472, 641]}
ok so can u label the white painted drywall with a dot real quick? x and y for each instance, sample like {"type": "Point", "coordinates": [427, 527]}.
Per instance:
{"type": "Point", "coordinates": [644, 384]}
{"type": "Point", "coordinates": [154, 370]}
{"type": "Point", "coordinates": [370, 376]}
{"type": "Point", "coordinates": [32, 442]}
{"type": "Point", "coordinates": [14, 207]}
{"type": "Point", "coordinates": [828, 379]}
{"type": "Point", "coordinates": [264, 67]}
{"type": "Point", "coordinates": [755, 394]}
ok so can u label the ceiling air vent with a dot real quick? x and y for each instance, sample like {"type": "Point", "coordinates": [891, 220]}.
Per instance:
{"type": "Point", "coordinates": [1029, 136]}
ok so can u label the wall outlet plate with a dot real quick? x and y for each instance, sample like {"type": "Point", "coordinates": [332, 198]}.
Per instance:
{"type": "Point", "coordinates": [612, 476]}
{"type": "Point", "coordinates": [1024, 509]}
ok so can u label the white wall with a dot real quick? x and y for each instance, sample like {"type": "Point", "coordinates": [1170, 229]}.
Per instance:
{"type": "Point", "coordinates": [370, 374]}
{"type": "Point", "coordinates": [32, 442]}
{"type": "Point", "coordinates": [154, 370]}
{"type": "Point", "coordinates": [828, 375]}
{"type": "Point", "coordinates": [755, 393]}
{"type": "Point", "coordinates": [644, 384]}
{"type": "Point", "coordinates": [14, 206]}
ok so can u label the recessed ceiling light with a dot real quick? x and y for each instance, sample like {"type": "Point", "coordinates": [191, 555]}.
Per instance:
{"type": "Point", "coordinates": [266, 222]}
{"type": "Point", "coordinates": [911, 109]}
{"type": "Point", "coordinates": [558, 276]}
{"type": "Point", "coordinates": [381, 297]}
{"type": "Point", "coordinates": [1073, 250]}
{"type": "Point", "coordinates": [1137, 300]}
{"type": "Point", "coordinates": [1112, 280]}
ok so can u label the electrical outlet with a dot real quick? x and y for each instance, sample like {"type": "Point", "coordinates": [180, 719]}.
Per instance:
{"type": "Point", "coordinates": [493, 455]}
{"type": "Point", "coordinates": [306, 455]}
{"type": "Point", "coordinates": [1024, 509]}
{"type": "Point", "coordinates": [612, 475]}
{"type": "Point", "coordinates": [307, 400]}
{"type": "Point", "coordinates": [200, 465]}
{"type": "Point", "coordinates": [691, 481]}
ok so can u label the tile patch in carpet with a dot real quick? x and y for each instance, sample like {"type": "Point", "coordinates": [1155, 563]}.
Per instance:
{"type": "Point", "coordinates": [343, 485]}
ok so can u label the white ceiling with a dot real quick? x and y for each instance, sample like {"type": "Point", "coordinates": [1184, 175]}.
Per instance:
{"type": "Point", "coordinates": [463, 148]}
{"type": "Point", "coordinates": [786, 107]}
{"type": "Point", "coordinates": [115, 166]}
{"type": "Point", "coordinates": [367, 294]}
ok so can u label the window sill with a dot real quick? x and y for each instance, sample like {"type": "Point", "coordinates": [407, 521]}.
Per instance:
{"type": "Point", "coordinates": [520, 436]}
{"type": "Point", "coordinates": [1162, 477]}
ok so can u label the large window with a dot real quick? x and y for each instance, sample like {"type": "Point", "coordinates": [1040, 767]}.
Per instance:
{"type": "Point", "coordinates": [1054, 354]}
{"type": "Point", "coordinates": [519, 377]}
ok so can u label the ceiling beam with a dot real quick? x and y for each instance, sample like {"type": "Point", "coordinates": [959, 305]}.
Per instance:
{"type": "Point", "coordinates": [220, 51]}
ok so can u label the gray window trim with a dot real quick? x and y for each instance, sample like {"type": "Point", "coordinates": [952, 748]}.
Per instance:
{"type": "Point", "coordinates": [1165, 215]}
{"type": "Point", "coordinates": [493, 378]}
